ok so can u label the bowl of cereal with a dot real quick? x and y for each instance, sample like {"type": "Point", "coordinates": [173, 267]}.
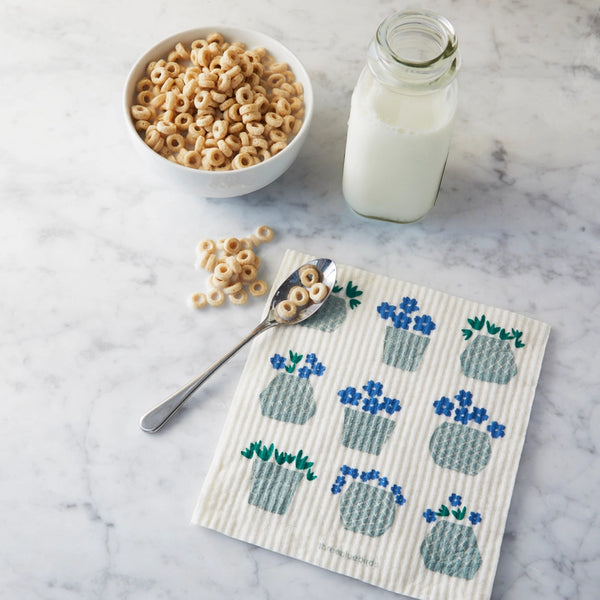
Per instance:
{"type": "Point", "coordinates": [222, 111]}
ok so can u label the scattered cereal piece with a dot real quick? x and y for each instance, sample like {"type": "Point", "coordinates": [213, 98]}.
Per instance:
{"type": "Point", "coordinates": [234, 264]}
{"type": "Point", "coordinates": [198, 300]}
{"type": "Point", "coordinates": [248, 274]}
{"type": "Point", "coordinates": [217, 283]}
{"type": "Point", "coordinates": [264, 233]}
{"type": "Point", "coordinates": [234, 288]}
{"type": "Point", "coordinates": [215, 297]}
{"type": "Point", "coordinates": [231, 245]}
{"type": "Point", "coordinates": [223, 272]}
{"type": "Point", "coordinates": [246, 257]}
{"type": "Point", "coordinates": [233, 268]}
{"type": "Point", "coordinates": [211, 261]}
{"type": "Point", "coordinates": [258, 287]}
{"type": "Point", "coordinates": [239, 297]}
{"type": "Point", "coordinates": [206, 246]}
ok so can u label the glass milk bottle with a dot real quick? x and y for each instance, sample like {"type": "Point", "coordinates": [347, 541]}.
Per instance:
{"type": "Point", "coordinates": [401, 118]}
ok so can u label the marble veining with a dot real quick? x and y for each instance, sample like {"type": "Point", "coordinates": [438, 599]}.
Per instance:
{"type": "Point", "coordinates": [97, 262]}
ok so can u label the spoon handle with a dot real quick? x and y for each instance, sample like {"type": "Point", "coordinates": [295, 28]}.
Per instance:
{"type": "Point", "coordinates": [158, 416]}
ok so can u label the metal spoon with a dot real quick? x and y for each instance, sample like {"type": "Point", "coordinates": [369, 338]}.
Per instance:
{"type": "Point", "coordinates": [157, 417]}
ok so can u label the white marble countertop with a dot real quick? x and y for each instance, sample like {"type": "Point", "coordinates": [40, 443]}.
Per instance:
{"type": "Point", "coordinates": [97, 263]}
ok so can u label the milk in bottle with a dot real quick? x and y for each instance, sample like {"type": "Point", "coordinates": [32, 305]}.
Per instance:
{"type": "Point", "coordinates": [401, 118]}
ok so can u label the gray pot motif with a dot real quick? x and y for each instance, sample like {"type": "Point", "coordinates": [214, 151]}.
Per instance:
{"type": "Point", "coordinates": [460, 448]}
{"type": "Point", "coordinates": [451, 549]}
{"type": "Point", "coordinates": [489, 359]}
{"type": "Point", "coordinates": [288, 398]}
{"type": "Point", "coordinates": [330, 316]}
{"type": "Point", "coordinates": [367, 509]}
{"type": "Point", "coordinates": [364, 431]}
{"type": "Point", "coordinates": [273, 487]}
{"type": "Point", "coordinates": [403, 349]}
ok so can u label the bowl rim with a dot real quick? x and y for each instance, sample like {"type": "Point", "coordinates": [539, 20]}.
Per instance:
{"type": "Point", "coordinates": [154, 52]}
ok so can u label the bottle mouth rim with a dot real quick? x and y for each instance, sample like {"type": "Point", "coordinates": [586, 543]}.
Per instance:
{"type": "Point", "coordinates": [437, 28]}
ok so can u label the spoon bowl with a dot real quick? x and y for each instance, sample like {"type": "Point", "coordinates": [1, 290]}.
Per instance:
{"type": "Point", "coordinates": [152, 421]}
{"type": "Point", "coordinates": [328, 272]}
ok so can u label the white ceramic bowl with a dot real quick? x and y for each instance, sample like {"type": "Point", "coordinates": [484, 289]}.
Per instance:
{"type": "Point", "coordinates": [220, 184]}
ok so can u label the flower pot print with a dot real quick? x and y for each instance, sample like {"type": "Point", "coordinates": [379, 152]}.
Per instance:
{"type": "Point", "coordinates": [460, 448]}
{"type": "Point", "coordinates": [288, 398]}
{"type": "Point", "coordinates": [489, 359]}
{"type": "Point", "coordinates": [364, 431]}
{"type": "Point", "coordinates": [273, 486]}
{"type": "Point", "coordinates": [451, 549]}
{"type": "Point", "coordinates": [330, 316]}
{"type": "Point", "coordinates": [333, 313]}
{"type": "Point", "coordinates": [403, 349]}
{"type": "Point", "coordinates": [405, 342]}
{"type": "Point", "coordinates": [367, 509]}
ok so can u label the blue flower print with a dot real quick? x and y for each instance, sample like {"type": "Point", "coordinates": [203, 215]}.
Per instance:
{"type": "Point", "coordinates": [461, 415]}
{"type": "Point", "coordinates": [374, 475]}
{"type": "Point", "coordinates": [340, 480]}
{"type": "Point", "coordinates": [464, 398]}
{"type": "Point", "coordinates": [386, 310]}
{"type": "Point", "coordinates": [345, 469]}
{"type": "Point", "coordinates": [496, 429]}
{"type": "Point", "coordinates": [475, 518]}
{"type": "Point", "coordinates": [350, 396]}
{"type": "Point", "coordinates": [401, 321]}
{"type": "Point", "coordinates": [311, 358]}
{"type": "Point", "coordinates": [365, 476]}
{"type": "Point", "coordinates": [304, 372]}
{"type": "Point", "coordinates": [424, 323]}
{"type": "Point", "coordinates": [373, 388]}
{"type": "Point", "coordinates": [318, 369]}
{"type": "Point", "coordinates": [455, 500]}
{"type": "Point", "coordinates": [429, 515]}
{"type": "Point", "coordinates": [409, 305]}
{"type": "Point", "coordinates": [443, 406]}
{"type": "Point", "coordinates": [292, 365]}
{"type": "Point", "coordinates": [404, 316]}
{"type": "Point", "coordinates": [479, 415]}
{"type": "Point", "coordinates": [370, 405]}
{"type": "Point", "coordinates": [465, 412]}
{"type": "Point", "coordinates": [391, 405]}
{"type": "Point", "coordinates": [278, 361]}
{"type": "Point", "coordinates": [372, 401]}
